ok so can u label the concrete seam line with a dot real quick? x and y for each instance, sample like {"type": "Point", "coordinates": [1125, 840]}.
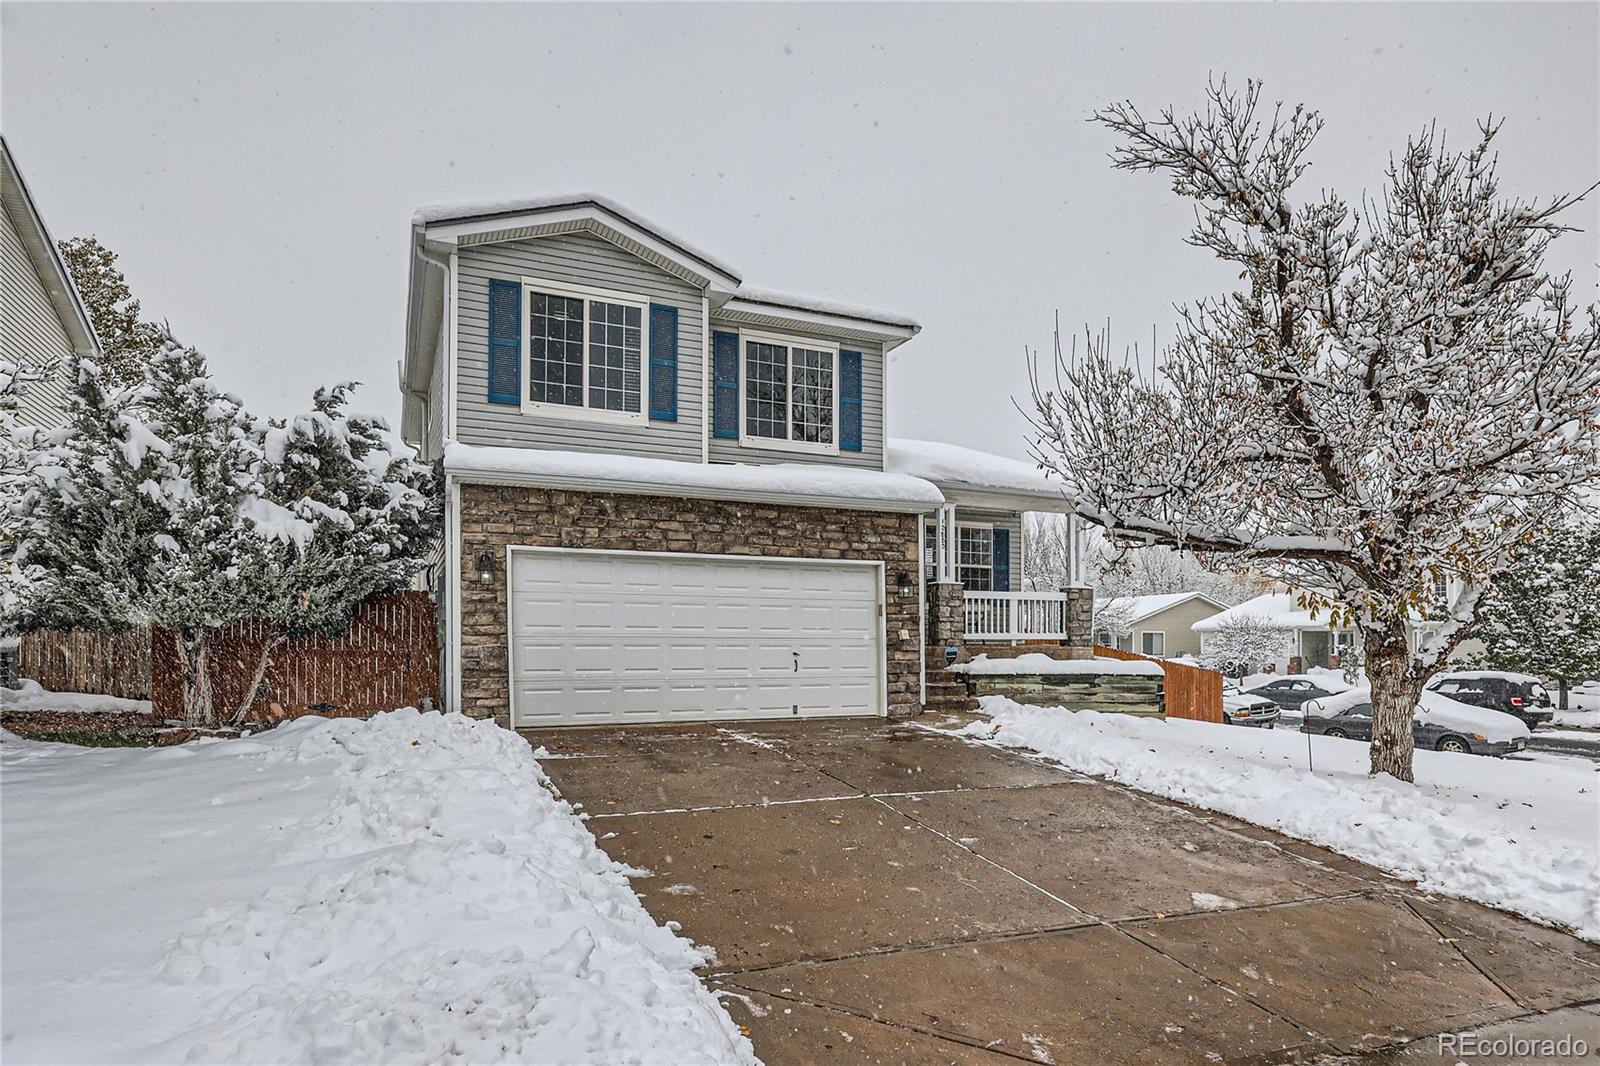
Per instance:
{"type": "Point", "coordinates": [1462, 955]}
{"type": "Point", "coordinates": [940, 944]}
{"type": "Point", "coordinates": [849, 1012]}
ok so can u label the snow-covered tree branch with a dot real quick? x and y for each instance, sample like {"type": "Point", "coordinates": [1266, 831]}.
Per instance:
{"type": "Point", "coordinates": [1398, 392]}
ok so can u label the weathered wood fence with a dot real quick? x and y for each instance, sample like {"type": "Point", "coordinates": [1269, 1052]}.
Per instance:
{"type": "Point", "coordinates": [388, 658]}
{"type": "Point", "coordinates": [110, 664]}
{"type": "Point", "coordinates": [1191, 691]}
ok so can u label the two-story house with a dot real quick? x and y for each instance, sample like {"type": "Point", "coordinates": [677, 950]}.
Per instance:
{"type": "Point", "coordinates": [670, 497]}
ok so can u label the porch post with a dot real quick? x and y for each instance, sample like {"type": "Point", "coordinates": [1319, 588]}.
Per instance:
{"type": "Point", "coordinates": [1080, 621]}
{"type": "Point", "coordinates": [947, 542]}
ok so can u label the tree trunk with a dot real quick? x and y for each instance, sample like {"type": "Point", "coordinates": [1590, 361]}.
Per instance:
{"type": "Point", "coordinates": [263, 661]}
{"type": "Point", "coordinates": [194, 650]}
{"type": "Point", "coordinates": [1396, 685]}
{"type": "Point", "coordinates": [1561, 688]}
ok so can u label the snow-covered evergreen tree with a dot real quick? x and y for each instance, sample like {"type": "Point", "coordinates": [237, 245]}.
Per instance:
{"type": "Point", "coordinates": [1244, 645]}
{"type": "Point", "coordinates": [1542, 614]}
{"type": "Point", "coordinates": [126, 341]}
{"type": "Point", "coordinates": [169, 504]}
{"type": "Point", "coordinates": [1397, 393]}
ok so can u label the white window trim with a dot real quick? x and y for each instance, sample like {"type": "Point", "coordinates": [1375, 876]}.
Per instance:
{"type": "Point", "coordinates": [790, 342]}
{"type": "Point", "coordinates": [975, 566]}
{"type": "Point", "coordinates": [1162, 633]}
{"type": "Point", "coordinates": [586, 413]}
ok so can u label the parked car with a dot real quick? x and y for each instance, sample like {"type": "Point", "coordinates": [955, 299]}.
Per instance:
{"type": "Point", "coordinates": [1240, 708]}
{"type": "Point", "coordinates": [1517, 694]}
{"type": "Point", "coordinates": [1440, 723]}
{"type": "Point", "coordinates": [1290, 692]}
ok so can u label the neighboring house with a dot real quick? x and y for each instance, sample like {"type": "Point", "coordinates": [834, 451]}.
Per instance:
{"type": "Point", "coordinates": [670, 497]}
{"type": "Point", "coordinates": [1310, 639]}
{"type": "Point", "coordinates": [42, 319]}
{"type": "Point", "coordinates": [1158, 625]}
{"type": "Point", "coordinates": [1307, 636]}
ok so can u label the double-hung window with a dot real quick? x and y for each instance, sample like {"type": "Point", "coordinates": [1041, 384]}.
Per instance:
{"type": "Point", "coordinates": [1153, 643]}
{"type": "Point", "coordinates": [585, 350]}
{"type": "Point", "coordinates": [975, 557]}
{"type": "Point", "coordinates": [791, 395]}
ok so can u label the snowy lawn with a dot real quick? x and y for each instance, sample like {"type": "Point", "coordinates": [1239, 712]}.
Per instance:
{"type": "Point", "coordinates": [1524, 836]}
{"type": "Point", "coordinates": [404, 889]}
{"type": "Point", "coordinates": [30, 696]}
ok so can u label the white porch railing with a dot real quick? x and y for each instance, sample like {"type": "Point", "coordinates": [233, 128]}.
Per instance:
{"type": "Point", "coordinates": [994, 616]}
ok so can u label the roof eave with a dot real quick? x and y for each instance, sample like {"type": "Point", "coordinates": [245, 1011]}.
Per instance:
{"type": "Point", "coordinates": [48, 264]}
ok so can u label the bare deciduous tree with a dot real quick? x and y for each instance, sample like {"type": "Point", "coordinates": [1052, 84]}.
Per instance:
{"type": "Point", "coordinates": [1398, 392]}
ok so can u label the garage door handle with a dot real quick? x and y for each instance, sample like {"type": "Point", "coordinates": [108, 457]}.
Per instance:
{"type": "Point", "coordinates": [797, 662]}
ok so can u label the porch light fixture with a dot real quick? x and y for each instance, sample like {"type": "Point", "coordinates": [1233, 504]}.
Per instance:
{"type": "Point", "coordinates": [905, 586]}
{"type": "Point", "coordinates": [485, 568]}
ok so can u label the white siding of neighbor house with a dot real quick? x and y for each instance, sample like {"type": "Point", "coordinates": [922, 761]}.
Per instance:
{"type": "Point", "coordinates": [1011, 520]}
{"type": "Point", "coordinates": [579, 259]}
{"type": "Point", "coordinates": [871, 453]}
{"type": "Point", "coordinates": [30, 332]}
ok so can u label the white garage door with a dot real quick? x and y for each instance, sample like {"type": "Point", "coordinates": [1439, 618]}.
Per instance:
{"type": "Point", "coordinates": [608, 637]}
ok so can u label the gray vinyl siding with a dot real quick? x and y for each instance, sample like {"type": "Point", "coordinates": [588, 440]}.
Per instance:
{"type": "Point", "coordinates": [30, 332]}
{"type": "Point", "coordinates": [1011, 520]}
{"type": "Point", "coordinates": [871, 453]}
{"type": "Point", "coordinates": [583, 260]}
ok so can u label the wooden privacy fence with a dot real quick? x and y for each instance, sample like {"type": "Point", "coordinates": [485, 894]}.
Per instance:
{"type": "Point", "coordinates": [110, 664]}
{"type": "Point", "coordinates": [1191, 691]}
{"type": "Point", "coordinates": [388, 658]}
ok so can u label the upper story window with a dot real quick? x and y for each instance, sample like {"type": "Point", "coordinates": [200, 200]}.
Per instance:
{"type": "Point", "coordinates": [585, 350]}
{"type": "Point", "coordinates": [790, 395]}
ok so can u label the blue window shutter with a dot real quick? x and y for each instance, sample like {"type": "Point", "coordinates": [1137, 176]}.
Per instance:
{"type": "Point", "coordinates": [725, 374]}
{"type": "Point", "coordinates": [1002, 560]}
{"type": "Point", "coordinates": [505, 341]}
{"type": "Point", "coordinates": [663, 363]}
{"type": "Point", "coordinates": [850, 401]}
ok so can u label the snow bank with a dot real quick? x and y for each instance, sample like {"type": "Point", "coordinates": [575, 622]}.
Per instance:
{"type": "Point", "coordinates": [1038, 663]}
{"type": "Point", "coordinates": [29, 695]}
{"type": "Point", "coordinates": [1279, 610]}
{"type": "Point", "coordinates": [633, 473]}
{"type": "Point", "coordinates": [1524, 836]}
{"type": "Point", "coordinates": [951, 464]}
{"type": "Point", "coordinates": [404, 889]}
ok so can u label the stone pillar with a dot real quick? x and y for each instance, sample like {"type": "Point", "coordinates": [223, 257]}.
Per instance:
{"type": "Point", "coordinates": [946, 622]}
{"type": "Point", "coordinates": [1080, 621]}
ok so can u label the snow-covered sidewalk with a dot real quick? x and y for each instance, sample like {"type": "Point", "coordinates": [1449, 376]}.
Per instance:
{"type": "Point", "coordinates": [1524, 836]}
{"type": "Point", "coordinates": [404, 889]}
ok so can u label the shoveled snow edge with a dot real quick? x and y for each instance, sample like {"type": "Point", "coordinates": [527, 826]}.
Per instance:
{"type": "Point", "coordinates": [1383, 822]}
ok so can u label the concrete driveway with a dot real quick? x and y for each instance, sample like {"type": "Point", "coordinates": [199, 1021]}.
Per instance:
{"type": "Point", "coordinates": [878, 893]}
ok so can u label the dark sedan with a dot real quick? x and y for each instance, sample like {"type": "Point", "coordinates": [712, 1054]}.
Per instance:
{"type": "Point", "coordinates": [1290, 692]}
{"type": "Point", "coordinates": [1438, 724]}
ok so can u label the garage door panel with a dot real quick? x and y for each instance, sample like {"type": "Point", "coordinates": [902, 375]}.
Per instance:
{"type": "Point", "coordinates": [612, 637]}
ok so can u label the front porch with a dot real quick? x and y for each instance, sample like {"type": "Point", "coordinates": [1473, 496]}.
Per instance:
{"type": "Point", "coordinates": [973, 563]}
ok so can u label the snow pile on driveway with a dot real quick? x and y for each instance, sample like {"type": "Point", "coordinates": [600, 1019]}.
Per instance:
{"type": "Point", "coordinates": [1524, 836]}
{"type": "Point", "coordinates": [403, 889]}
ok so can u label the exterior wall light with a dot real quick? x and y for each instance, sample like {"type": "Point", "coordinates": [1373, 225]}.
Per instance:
{"type": "Point", "coordinates": [905, 586]}
{"type": "Point", "coordinates": [485, 568]}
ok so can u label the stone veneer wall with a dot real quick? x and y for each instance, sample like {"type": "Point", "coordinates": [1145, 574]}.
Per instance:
{"type": "Point", "coordinates": [494, 516]}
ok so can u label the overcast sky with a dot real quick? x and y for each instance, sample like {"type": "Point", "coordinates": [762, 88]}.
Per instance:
{"type": "Point", "coordinates": [256, 166]}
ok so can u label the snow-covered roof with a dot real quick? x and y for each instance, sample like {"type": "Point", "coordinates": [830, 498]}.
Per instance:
{"type": "Point", "coordinates": [1280, 610]}
{"type": "Point", "coordinates": [785, 301]}
{"type": "Point", "coordinates": [512, 206]}
{"type": "Point", "coordinates": [1141, 607]}
{"type": "Point", "coordinates": [953, 467]}
{"type": "Point", "coordinates": [810, 484]}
